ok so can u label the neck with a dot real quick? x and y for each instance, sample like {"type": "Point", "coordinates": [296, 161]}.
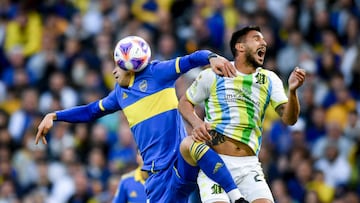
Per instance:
{"type": "Point", "coordinates": [124, 80]}
{"type": "Point", "coordinates": [244, 67]}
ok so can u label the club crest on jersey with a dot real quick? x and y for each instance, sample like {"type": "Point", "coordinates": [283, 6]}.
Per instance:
{"type": "Point", "coordinates": [260, 78]}
{"type": "Point", "coordinates": [143, 86]}
{"type": "Point", "coordinates": [133, 194]}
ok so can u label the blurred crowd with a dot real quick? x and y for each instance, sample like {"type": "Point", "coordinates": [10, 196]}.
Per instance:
{"type": "Point", "coordinates": [56, 54]}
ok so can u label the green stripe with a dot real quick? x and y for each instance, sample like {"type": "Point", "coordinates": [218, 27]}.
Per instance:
{"type": "Point", "coordinates": [247, 84]}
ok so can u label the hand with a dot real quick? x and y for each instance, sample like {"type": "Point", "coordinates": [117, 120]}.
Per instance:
{"type": "Point", "coordinates": [200, 132]}
{"type": "Point", "coordinates": [296, 78]}
{"type": "Point", "coordinates": [45, 125]}
{"type": "Point", "coordinates": [221, 66]}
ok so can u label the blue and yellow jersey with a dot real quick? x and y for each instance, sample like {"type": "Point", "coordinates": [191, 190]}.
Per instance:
{"type": "Point", "coordinates": [131, 188]}
{"type": "Point", "coordinates": [150, 105]}
{"type": "Point", "coordinates": [236, 106]}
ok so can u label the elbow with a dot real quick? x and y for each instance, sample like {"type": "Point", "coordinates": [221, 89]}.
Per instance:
{"type": "Point", "coordinates": [289, 121]}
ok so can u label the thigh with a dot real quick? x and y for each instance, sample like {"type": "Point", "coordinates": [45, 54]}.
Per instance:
{"type": "Point", "coordinates": [156, 188]}
{"type": "Point", "coordinates": [254, 186]}
{"type": "Point", "coordinates": [181, 185]}
{"type": "Point", "coordinates": [247, 174]}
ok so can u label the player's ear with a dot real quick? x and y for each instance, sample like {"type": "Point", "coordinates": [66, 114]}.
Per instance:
{"type": "Point", "coordinates": [240, 47]}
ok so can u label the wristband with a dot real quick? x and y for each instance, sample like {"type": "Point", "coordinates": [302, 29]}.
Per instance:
{"type": "Point", "coordinates": [212, 55]}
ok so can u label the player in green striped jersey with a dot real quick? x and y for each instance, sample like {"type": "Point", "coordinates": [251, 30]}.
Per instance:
{"type": "Point", "coordinates": [234, 114]}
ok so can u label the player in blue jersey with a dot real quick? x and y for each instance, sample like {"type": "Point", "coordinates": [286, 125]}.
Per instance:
{"type": "Point", "coordinates": [149, 102]}
{"type": "Point", "coordinates": [131, 187]}
{"type": "Point", "coordinates": [234, 112]}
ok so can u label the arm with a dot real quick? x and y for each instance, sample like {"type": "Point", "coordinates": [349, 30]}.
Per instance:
{"type": "Point", "coordinates": [78, 114]}
{"type": "Point", "coordinates": [195, 94]}
{"type": "Point", "coordinates": [200, 128]}
{"type": "Point", "coordinates": [289, 112]}
{"type": "Point", "coordinates": [219, 64]}
{"type": "Point", "coordinates": [170, 70]}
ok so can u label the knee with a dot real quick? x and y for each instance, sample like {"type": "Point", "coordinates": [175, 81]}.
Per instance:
{"type": "Point", "coordinates": [185, 145]}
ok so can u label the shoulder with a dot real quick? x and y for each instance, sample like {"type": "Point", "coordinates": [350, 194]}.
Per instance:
{"type": "Point", "coordinates": [270, 74]}
{"type": "Point", "coordinates": [266, 71]}
{"type": "Point", "coordinates": [207, 74]}
{"type": "Point", "coordinates": [128, 176]}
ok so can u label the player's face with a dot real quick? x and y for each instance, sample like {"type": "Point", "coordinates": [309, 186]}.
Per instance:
{"type": "Point", "coordinates": [255, 48]}
{"type": "Point", "coordinates": [121, 76]}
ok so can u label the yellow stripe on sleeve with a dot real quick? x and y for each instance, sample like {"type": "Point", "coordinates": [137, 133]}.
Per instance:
{"type": "Point", "coordinates": [177, 65]}
{"type": "Point", "coordinates": [101, 105]}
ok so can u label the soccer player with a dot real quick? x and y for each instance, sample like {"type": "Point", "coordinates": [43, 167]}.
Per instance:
{"type": "Point", "coordinates": [149, 102]}
{"type": "Point", "coordinates": [131, 187]}
{"type": "Point", "coordinates": [234, 113]}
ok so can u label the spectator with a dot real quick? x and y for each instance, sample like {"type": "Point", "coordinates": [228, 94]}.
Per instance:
{"type": "Point", "coordinates": [316, 125]}
{"type": "Point", "coordinates": [295, 48]}
{"type": "Point", "coordinates": [324, 192]}
{"type": "Point", "coordinates": [24, 31]}
{"type": "Point", "coordinates": [58, 88]}
{"type": "Point", "coordinates": [297, 185]}
{"type": "Point", "coordinates": [335, 167]}
{"type": "Point", "coordinates": [334, 134]}
{"type": "Point", "coordinates": [22, 119]}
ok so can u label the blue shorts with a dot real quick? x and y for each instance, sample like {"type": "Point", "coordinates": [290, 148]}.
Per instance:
{"type": "Point", "coordinates": [171, 185]}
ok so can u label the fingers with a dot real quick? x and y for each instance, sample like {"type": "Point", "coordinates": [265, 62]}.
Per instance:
{"type": "Point", "coordinates": [44, 140]}
{"type": "Point", "coordinates": [40, 134]}
{"type": "Point", "coordinates": [300, 74]}
{"type": "Point", "coordinates": [231, 68]}
{"type": "Point", "coordinates": [226, 71]}
{"type": "Point", "coordinates": [218, 71]}
{"type": "Point", "coordinates": [201, 135]}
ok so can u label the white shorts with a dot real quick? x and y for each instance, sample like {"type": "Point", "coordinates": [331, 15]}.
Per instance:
{"type": "Point", "coordinates": [247, 174]}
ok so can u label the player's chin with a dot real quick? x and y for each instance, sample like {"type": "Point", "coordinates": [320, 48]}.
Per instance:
{"type": "Point", "coordinates": [260, 61]}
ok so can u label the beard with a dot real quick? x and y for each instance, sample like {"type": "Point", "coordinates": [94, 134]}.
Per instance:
{"type": "Point", "coordinates": [250, 59]}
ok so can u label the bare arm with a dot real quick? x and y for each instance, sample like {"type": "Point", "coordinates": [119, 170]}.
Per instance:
{"type": "Point", "coordinates": [200, 128]}
{"type": "Point", "coordinates": [289, 112]}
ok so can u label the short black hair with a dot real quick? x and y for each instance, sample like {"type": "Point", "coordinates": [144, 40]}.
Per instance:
{"type": "Point", "coordinates": [237, 36]}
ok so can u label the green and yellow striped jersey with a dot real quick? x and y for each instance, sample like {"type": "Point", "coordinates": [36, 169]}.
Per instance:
{"type": "Point", "coordinates": [236, 106]}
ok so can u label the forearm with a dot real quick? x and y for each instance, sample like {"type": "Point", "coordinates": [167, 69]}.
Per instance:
{"type": "Point", "coordinates": [187, 111]}
{"type": "Point", "coordinates": [196, 59]}
{"type": "Point", "coordinates": [80, 114]}
{"type": "Point", "coordinates": [291, 109]}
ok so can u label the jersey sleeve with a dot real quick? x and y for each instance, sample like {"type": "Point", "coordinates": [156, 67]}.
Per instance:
{"type": "Point", "coordinates": [200, 88]}
{"type": "Point", "coordinates": [170, 70]}
{"type": "Point", "coordinates": [90, 111]}
{"type": "Point", "coordinates": [278, 95]}
{"type": "Point", "coordinates": [110, 102]}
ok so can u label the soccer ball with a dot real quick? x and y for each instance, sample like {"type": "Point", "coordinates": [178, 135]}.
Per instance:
{"type": "Point", "coordinates": [132, 53]}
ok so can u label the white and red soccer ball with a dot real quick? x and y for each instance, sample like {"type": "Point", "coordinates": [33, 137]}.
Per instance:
{"type": "Point", "coordinates": [132, 53]}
